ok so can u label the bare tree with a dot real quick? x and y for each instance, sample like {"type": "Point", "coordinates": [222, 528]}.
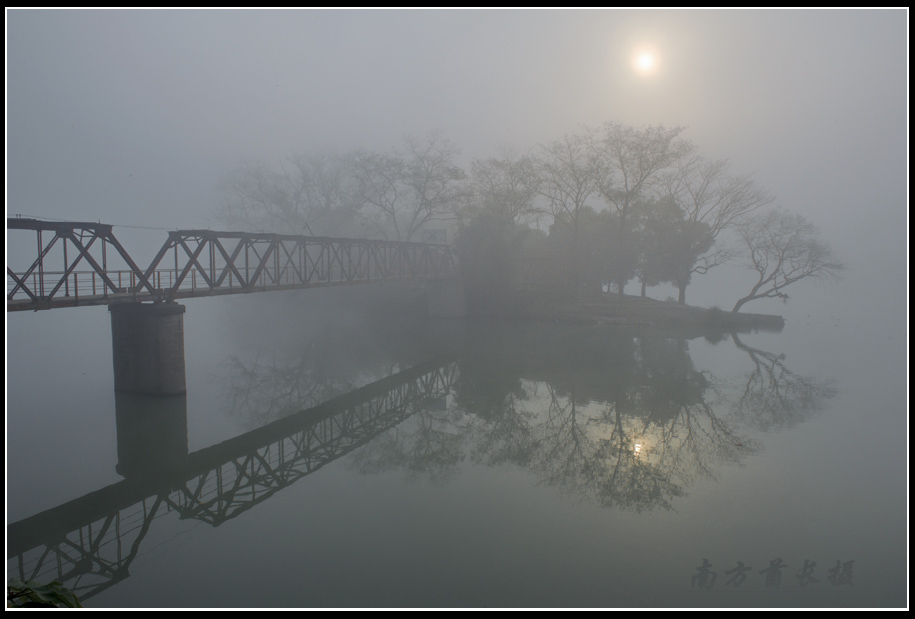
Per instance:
{"type": "Point", "coordinates": [711, 201]}
{"type": "Point", "coordinates": [633, 158]}
{"type": "Point", "coordinates": [377, 177]}
{"type": "Point", "coordinates": [405, 191]}
{"type": "Point", "coordinates": [310, 194]}
{"type": "Point", "coordinates": [783, 249]}
{"type": "Point", "coordinates": [505, 186]}
{"type": "Point", "coordinates": [569, 177]}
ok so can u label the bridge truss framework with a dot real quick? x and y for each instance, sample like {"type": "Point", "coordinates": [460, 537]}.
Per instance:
{"type": "Point", "coordinates": [73, 265]}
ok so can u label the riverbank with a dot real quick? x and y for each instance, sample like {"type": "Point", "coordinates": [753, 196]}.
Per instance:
{"type": "Point", "coordinates": [628, 310]}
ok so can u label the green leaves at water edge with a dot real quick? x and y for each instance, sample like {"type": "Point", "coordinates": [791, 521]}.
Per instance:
{"type": "Point", "coordinates": [34, 594]}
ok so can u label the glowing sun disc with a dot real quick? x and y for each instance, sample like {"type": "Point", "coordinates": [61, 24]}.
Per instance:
{"type": "Point", "coordinates": [645, 62]}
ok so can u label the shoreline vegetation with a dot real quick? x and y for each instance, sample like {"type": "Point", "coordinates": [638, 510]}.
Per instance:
{"type": "Point", "coordinates": [630, 310]}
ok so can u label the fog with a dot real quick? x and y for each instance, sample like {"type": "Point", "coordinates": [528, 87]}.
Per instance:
{"type": "Point", "coordinates": [131, 117]}
{"type": "Point", "coordinates": [135, 117]}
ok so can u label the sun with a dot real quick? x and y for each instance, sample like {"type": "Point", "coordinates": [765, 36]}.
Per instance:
{"type": "Point", "coordinates": [645, 61]}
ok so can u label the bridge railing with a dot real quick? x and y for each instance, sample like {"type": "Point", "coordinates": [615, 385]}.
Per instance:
{"type": "Point", "coordinates": [203, 262]}
{"type": "Point", "coordinates": [87, 285]}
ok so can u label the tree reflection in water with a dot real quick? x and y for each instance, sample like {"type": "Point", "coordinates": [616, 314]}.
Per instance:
{"type": "Point", "coordinates": [317, 364]}
{"type": "Point", "coordinates": [618, 417]}
{"type": "Point", "coordinates": [262, 390]}
{"type": "Point", "coordinates": [775, 397]}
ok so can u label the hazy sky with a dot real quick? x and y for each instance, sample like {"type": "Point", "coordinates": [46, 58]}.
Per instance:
{"type": "Point", "coordinates": [130, 117]}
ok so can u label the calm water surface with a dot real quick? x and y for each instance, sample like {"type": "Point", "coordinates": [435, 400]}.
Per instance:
{"type": "Point", "coordinates": [471, 464]}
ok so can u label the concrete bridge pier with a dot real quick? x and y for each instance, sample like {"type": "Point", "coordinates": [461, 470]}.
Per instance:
{"type": "Point", "coordinates": [152, 434]}
{"type": "Point", "coordinates": [148, 348]}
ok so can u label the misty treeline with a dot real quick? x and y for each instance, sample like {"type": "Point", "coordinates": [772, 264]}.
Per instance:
{"type": "Point", "coordinates": [583, 215]}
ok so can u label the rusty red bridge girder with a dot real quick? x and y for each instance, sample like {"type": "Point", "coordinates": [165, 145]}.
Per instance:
{"type": "Point", "coordinates": [195, 263]}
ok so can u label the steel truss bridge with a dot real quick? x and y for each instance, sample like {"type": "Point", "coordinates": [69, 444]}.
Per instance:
{"type": "Point", "coordinates": [89, 543]}
{"type": "Point", "coordinates": [78, 263]}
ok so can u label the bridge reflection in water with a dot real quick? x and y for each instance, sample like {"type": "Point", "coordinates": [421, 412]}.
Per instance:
{"type": "Point", "coordinates": [89, 543]}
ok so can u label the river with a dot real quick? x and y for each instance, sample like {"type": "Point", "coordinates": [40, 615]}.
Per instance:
{"type": "Point", "coordinates": [524, 465]}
